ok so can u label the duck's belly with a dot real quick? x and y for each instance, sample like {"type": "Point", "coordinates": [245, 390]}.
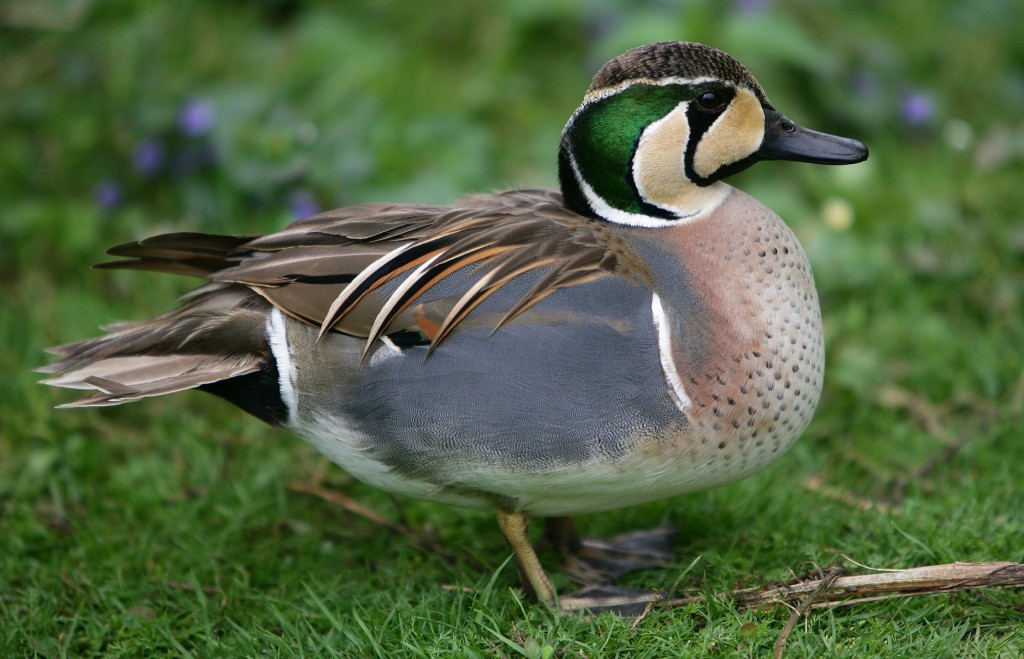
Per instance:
{"type": "Point", "coordinates": [553, 419]}
{"type": "Point", "coordinates": [594, 485]}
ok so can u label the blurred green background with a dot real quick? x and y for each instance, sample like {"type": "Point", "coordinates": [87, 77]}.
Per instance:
{"type": "Point", "coordinates": [168, 525]}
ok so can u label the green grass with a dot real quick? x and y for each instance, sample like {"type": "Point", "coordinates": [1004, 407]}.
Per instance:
{"type": "Point", "coordinates": [167, 527]}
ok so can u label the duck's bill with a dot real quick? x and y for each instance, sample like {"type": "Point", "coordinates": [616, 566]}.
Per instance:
{"type": "Point", "coordinates": [784, 140]}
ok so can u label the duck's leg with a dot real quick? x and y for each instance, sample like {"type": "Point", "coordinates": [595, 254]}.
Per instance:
{"type": "Point", "coordinates": [603, 561]}
{"type": "Point", "coordinates": [594, 599]}
{"type": "Point", "coordinates": [513, 525]}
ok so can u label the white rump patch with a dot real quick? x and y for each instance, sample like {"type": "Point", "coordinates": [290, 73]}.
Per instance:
{"type": "Point", "coordinates": [668, 365]}
{"type": "Point", "coordinates": [277, 333]}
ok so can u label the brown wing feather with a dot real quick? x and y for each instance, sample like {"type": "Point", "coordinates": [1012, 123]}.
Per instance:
{"type": "Point", "coordinates": [518, 232]}
{"type": "Point", "coordinates": [329, 270]}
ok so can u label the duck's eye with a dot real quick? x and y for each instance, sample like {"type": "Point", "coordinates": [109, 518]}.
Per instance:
{"type": "Point", "coordinates": [711, 101]}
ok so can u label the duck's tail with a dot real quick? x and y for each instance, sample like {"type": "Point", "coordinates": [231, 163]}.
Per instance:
{"type": "Point", "coordinates": [215, 341]}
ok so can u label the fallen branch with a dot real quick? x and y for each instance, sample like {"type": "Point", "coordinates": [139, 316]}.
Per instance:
{"type": "Point", "coordinates": [854, 589]}
{"type": "Point", "coordinates": [353, 506]}
{"type": "Point", "coordinates": [824, 582]}
{"type": "Point", "coordinates": [829, 589]}
{"type": "Point", "coordinates": [924, 411]}
{"type": "Point", "coordinates": [816, 484]}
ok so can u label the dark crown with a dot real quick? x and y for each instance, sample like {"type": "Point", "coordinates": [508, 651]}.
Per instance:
{"type": "Point", "coordinates": [676, 59]}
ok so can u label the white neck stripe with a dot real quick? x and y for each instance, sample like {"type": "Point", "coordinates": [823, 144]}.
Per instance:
{"type": "Point", "coordinates": [668, 365]}
{"type": "Point", "coordinates": [608, 212]}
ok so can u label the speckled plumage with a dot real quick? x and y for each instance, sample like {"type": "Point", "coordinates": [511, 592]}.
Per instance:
{"type": "Point", "coordinates": [652, 332]}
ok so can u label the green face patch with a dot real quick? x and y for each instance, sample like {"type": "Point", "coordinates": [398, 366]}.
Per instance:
{"type": "Point", "coordinates": [604, 138]}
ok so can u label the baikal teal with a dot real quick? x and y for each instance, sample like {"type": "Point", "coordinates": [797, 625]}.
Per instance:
{"type": "Point", "coordinates": [646, 331]}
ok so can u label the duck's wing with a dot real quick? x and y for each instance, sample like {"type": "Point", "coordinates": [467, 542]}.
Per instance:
{"type": "Point", "coordinates": [365, 271]}
{"type": "Point", "coordinates": [330, 270]}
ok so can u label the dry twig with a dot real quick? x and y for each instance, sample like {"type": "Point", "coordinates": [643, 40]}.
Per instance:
{"type": "Point", "coordinates": [854, 589]}
{"type": "Point", "coordinates": [353, 506]}
{"type": "Point", "coordinates": [924, 411]}
{"type": "Point", "coordinates": [830, 575]}
{"type": "Point", "coordinates": [816, 483]}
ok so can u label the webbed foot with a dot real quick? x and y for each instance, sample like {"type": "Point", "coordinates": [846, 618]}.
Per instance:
{"type": "Point", "coordinates": [603, 561]}
{"type": "Point", "coordinates": [597, 564]}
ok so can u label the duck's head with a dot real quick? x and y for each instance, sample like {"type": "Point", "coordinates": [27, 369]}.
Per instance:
{"type": "Point", "coordinates": [662, 123]}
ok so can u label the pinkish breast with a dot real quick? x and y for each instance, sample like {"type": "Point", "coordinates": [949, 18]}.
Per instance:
{"type": "Point", "coordinates": [748, 344]}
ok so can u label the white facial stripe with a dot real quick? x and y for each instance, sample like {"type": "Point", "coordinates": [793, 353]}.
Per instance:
{"type": "Point", "coordinates": [605, 92]}
{"type": "Point", "coordinates": [612, 214]}
{"type": "Point", "coordinates": [710, 197]}
{"type": "Point", "coordinates": [663, 327]}
{"type": "Point", "coordinates": [277, 333]}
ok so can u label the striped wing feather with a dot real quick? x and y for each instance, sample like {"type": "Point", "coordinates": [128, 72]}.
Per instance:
{"type": "Point", "coordinates": [323, 270]}
{"type": "Point", "coordinates": [329, 272]}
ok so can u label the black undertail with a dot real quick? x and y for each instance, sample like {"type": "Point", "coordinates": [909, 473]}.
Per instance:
{"type": "Point", "coordinates": [257, 393]}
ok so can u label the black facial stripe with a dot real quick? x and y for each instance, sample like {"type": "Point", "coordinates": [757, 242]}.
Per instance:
{"type": "Point", "coordinates": [734, 168]}
{"type": "Point", "coordinates": [700, 121]}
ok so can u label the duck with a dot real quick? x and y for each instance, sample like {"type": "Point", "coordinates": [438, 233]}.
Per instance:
{"type": "Point", "coordinates": [642, 332]}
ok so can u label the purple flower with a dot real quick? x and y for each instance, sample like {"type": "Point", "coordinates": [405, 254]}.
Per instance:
{"type": "Point", "coordinates": [107, 195]}
{"type": "Point", "coordinates": [148, 157]}
{"type": "Point", "coordinates": [197, 117]}
{"type": "Point", "coordinates": [303, 204]}
{"type": "Point", "coordinates": [918, 108]}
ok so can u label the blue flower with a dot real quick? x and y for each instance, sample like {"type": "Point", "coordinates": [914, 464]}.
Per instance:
{"type": "Point", "coordinates": [107, 195]}
{"type": "Point", "coordinates": [148, 157]}
{"type": "Point", "coordinates": [197, 117]}
{"type": "Point", "coordinates": [303, 204]}
{"type": "Point", "coordinates": [917, 108]}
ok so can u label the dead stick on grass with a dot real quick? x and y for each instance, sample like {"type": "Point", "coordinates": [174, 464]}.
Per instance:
{"type": "Point", "coordinates": [845, 591]}
{"type": "Point", "coordinates": [899, 485]}
{"type": "Point", "coordinates": [816, 483]}
{"type": "Point", "coordinates": [353, 506]}
{"type": "Point", "coordinates": [924, 411]}
{"type": "Point", "coordinates": [826, 580]}
{"type": "Point", "coordinates": [827, 591]}
{"type": "Point", "coordinates": [928, 416]}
